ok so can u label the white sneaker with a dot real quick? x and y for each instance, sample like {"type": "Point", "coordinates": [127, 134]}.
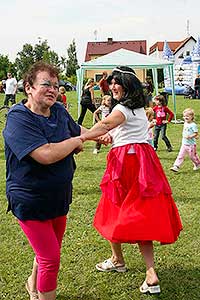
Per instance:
{"type": "Point", "coordinates": [196, 168]}
{"type": "Point", "coordinates": [95, 151]}
{"type": "Point", "coordinates": [174, 169]}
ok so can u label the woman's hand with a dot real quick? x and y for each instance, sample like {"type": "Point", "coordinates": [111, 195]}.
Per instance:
{"type": "Point", "coordinates": [78, 149]}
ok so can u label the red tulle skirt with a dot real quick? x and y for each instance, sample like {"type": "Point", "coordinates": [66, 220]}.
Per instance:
{"type": "Point", "coordinates": [136, 203]}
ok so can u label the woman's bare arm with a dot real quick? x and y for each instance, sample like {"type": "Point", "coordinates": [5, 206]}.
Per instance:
{"type": "Point", "coordinates": [102, 127]}
{"type": "Point", "coordinates": [53, 152]}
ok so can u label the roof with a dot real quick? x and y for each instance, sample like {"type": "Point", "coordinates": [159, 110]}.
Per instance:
{"type": "Point", "coordinates": [174, 46]}
{"type": "Point", "coordinates": [103, 48]}
{"type": "Point", "coordinates": [125, 57]}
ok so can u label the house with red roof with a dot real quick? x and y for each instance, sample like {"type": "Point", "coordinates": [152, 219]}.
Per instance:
{"type": "Point", "coordinates": [97, 49]}
{"type": "Point", "coordinates": [180, 49]}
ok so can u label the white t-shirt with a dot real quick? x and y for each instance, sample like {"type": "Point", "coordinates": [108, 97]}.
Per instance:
{"type": "Point", "coordinates": [189, 129]}
{"type": "Point", "coordinates": [105, 110]}
{"type": "Point", "coordinates": [10, 86]}
{"type": "Point", "coordinates": [133, 130]}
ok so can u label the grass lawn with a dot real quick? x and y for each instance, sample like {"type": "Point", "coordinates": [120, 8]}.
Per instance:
{"type": "Point", "coordinates": [178, 265]}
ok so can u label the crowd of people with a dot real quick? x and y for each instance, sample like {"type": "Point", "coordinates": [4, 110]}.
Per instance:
{"type": "Point", "coordinates": [136, 204]}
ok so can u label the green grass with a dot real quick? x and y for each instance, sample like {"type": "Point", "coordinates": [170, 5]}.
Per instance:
{"type": "Point", "coordinates": [177, 264]}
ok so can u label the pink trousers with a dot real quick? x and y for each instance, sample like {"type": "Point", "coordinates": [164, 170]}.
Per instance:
{"type": "Point", "coordinates": [189, 150]}
{"type": "Point", "coordinates": [45, 237]}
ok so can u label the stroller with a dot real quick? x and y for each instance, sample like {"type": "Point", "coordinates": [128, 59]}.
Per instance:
{"type": "Point", "coordinates": [189, 92]}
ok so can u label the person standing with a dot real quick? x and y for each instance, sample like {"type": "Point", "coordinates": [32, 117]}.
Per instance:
{"type": "Point", "coordinates": [151, 124]}
{"type": "Point", "coordinates": [10, 90]}
{"type": "Point", "coordinates": [103, 110]}
{"type": "Point", "coordinates": [149, 91]}
{"type": "Point", "coordinates": [103, 84]}
{"type": "Point", "coordinates": [188, 147]}
{"type": "Point", "coordinates": [136, 205]}
{"type": "Point", "coordinates": [40, 141]}
{"type": "Point", "coordinates": [163, 116]}
{"type": "Point", "coordinates": [62, 92]}
{"type": "Point", "coordinates": [87, 100]}
{"type": "Point", "coordinates": [197, 87]}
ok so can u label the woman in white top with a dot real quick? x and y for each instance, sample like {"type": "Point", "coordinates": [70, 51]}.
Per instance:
{"type": "Point", "coordinates": [136, 204]}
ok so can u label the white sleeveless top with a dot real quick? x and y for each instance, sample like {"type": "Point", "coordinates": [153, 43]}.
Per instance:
{"type": "Point", "coordinates": [133, 130]}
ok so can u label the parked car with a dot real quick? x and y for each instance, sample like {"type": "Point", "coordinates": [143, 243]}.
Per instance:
{"type": "Point", "coordinates": [20, 86]}
{"type": "Point", "coordinates": [67, 85]}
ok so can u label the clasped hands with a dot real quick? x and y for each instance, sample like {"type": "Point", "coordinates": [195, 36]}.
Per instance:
{"type": "Point", "coordinates": [103, 139]}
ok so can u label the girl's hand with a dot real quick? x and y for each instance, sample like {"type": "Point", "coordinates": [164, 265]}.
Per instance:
{"type": "Point", "coordinates": [105, 139]}
{"type": "Point", "coordinates": [164, 121]}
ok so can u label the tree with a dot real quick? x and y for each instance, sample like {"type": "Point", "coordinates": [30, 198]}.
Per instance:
{"type": "Point", "coordinates": [30, 54]}
{"type": "Point", "coordinates": [63, 63]}
{"type": "Point", "coordinates": [24, 60]}
{"type": "Point", "coordinates": [41, 49]}
{"type": "Point", "coordinates": [72, 62]}
{"type": "Point", "coordinates": [5, 66]}
{"type": "Point", "coordinates": [52, 57]}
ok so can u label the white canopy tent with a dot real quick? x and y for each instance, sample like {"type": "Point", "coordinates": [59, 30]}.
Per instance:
{"type": "Point", "coordinates": [123, 57]}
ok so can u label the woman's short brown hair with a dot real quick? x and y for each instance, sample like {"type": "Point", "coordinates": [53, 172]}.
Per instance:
{"type": "Point", "coordinates": [39, 66]}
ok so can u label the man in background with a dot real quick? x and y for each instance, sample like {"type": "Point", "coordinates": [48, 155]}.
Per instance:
{"type": "Point", "coordinates": [197, 87]}
{"type": "Point", "coordinates": [11, 89]}
{"type": "Point", "coordinates": [103, 84]}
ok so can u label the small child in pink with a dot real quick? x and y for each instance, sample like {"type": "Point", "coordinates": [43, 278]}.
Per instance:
{"type": "Point", "coordinates": [103, 110]}
{"type": "Point", "coordinates": [190, 134]}
{"type": "Point", "coordinates": [151, 123]}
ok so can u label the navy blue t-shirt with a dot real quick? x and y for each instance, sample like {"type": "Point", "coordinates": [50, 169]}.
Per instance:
{"type": "Point", "coordinates": [36, 191]}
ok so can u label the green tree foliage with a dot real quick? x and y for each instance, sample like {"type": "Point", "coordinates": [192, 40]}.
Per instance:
{"type": "Point", "coordinates": [30, 54]}
{"type": "Point", "coordinates": [72, 62]}
{"type": "Point", "coordinates": [52, 58]}
{"type": "Point", "coordinates": [24, 60]}
{"type": "Point", "coordinates": [41, 50]}
{"type": "Point", "coordinates": [5, 66]}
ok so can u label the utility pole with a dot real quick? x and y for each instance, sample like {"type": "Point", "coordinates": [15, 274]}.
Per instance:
{"type": "Point", "coordinates": [188, 28]}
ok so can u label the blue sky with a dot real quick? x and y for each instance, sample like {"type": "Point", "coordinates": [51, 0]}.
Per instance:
{"type": "Point", "coordinates": [59, 21]}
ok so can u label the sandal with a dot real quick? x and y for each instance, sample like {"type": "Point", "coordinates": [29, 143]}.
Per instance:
{"type": "Point", "coordinates": [108, 265]}
{"type": "Point", "coordinates": [152, 289]}
{"type": "Point", "coordinates": [33, 294]}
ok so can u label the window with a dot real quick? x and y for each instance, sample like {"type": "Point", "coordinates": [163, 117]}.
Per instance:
{"type": "Point", "coordinates": [97, 77]}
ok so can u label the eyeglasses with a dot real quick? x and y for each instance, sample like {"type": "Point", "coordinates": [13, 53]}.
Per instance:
{"type": "Point", "coordinates": [48, 84]}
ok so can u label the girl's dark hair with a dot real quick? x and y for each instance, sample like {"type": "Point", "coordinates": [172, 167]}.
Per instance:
{"type": "Point", "coordinates": [39, 66]}
{"type": "Point", "coordinates": [133, 92]}
{"type": "Point", "coordinates": [161, 99]}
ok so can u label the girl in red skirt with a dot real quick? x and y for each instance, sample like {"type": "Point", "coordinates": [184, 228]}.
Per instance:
{"type": "Point", "coordinates": [136, 204]}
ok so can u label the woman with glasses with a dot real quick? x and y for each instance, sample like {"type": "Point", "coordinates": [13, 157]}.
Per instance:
{"type": "Point", "coordinates": [136, 204]}
{"type": "Point", "coordinates": [40, 140]}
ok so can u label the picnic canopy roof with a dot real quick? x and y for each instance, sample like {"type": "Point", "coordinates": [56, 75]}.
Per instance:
{"type": "Point", "coordinates": [123, 57]}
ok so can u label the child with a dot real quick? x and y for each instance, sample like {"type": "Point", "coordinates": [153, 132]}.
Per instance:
{"type": "Point", "coordinates": [63, 96]}
{"type": "Point", "coordinates": [151, 124]}
{"type": "Point", "coordinates": [162, 111]}
{"type": "Point", "coordinates": [190, 134]}
{"type": "Point", "coordinates": [104, 110]}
